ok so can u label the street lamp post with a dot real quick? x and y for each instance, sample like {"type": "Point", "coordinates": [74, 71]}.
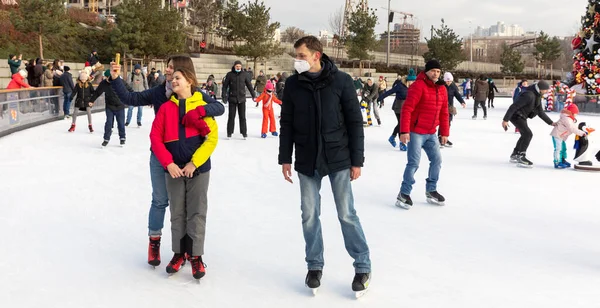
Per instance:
{"type": "Point", "coordinates": [471, 37]}
{"type": "Point", "coordinates": [387, 57]}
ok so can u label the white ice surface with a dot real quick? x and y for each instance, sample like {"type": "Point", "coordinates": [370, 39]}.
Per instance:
{"type": "Point", "coordinates": [73, 224]}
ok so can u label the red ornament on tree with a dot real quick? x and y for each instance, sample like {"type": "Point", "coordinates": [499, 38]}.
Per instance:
{"type": "Point", "coordinates": [598, 90]}
{"type": "Point", "coordinates": [576, 43]}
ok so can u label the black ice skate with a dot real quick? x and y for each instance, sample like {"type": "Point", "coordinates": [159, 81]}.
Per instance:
{"type": "Point", "coordinates": [404, 202]}
{"type": "Point", "coordinates": [433, 197]}
{"type": "Point", "coordinates": [523, 162]}
{"type": "Point", "coordinates": [360, 284]}
{"type": "Point", "coordinates": [313, 280]}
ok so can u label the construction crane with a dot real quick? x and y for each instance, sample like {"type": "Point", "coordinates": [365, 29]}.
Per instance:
{"type": "Point", "coordinates": [391, 14]}
{"type": "Point", "coordinates": [93, 6]}
{"type": "Point", "coordinates": [349, 8]}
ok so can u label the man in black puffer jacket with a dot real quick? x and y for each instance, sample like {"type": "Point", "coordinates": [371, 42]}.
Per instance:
{"type": "Point", "coordinates": [528, 106]}
{"type": "Point", "coordinates": [321, 116]}
{"type": "Point", "coordinates": [114, 109]}
{"type": "Point", "coordinates": [234, 92]}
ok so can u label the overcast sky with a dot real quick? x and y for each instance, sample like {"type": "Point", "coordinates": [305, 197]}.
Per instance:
{"type": "Point", "coordinates": [552, 16]}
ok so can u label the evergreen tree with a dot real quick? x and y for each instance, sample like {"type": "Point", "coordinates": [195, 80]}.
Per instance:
{"type": "Point", "coordinates": [233, 22]}
{"type": "Point", "coordinates": [511, 60]}
{"type": "Point", "coordinates": [205, 15]}
{"type": "Point", "coordinates": [547, 49]}
{"type": "Point", "coordinates": [258, 32]}
{"type": "Point", "coordinates": [42, 17]}
{"type": "Point", "coordinates": [586, 44]}
{"type": "Point", "coordinates": [146, 29]}
{"type": "Point", "coordinates": [446, 47]}
{"type": "Point", "coordinates": [361, 39]}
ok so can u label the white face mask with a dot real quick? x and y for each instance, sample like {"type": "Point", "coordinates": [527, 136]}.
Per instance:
{"type": "Point", "coordinates": [301, 66]}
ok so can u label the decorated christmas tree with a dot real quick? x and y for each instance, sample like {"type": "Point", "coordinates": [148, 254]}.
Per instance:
{"type": "Point", "coordinates": [586, 44]}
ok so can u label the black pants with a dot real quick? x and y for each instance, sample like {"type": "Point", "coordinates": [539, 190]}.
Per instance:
{"type": "Point", "coordinates": [241, 110]}
{"type": "Point", "coordinates": [477, 104]}
{"type": "Point", "coordinates": [396, 131]}
{"type": "Point", "coordinates": [449, 124]}
{"type": "Point", "coordinates": [490, 102]}
{"type": "Point", "coordinates": [526, 134]}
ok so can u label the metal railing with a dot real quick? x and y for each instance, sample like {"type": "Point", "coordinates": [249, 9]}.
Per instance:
{"type": "Point", "coordinates": [25, 108]}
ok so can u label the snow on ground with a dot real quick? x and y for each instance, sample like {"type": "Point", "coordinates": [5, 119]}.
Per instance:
{"type": "Point", "coordinates": [74, 221]}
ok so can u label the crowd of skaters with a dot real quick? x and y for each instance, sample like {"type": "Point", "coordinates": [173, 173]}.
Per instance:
{"type": "Point", "coordinates": [329, 147]}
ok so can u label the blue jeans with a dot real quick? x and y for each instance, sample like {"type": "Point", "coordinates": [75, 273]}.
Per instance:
{"type": "Point", "coordinates": [67, 103]}
{"type": "Point", "coordinates": [354, 238]}
{"type": "Point", "coordinates": [431, 145]}
{"type": "Point", "coordinates": [160, 197]}
{"type": "Point", "coordinates": [130, 113]}
{"type": "Point", "coordinates": [110, 120]}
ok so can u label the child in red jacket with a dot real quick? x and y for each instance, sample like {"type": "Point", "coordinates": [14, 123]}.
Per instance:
{"type": "Point", "coordinates": [268, 98]}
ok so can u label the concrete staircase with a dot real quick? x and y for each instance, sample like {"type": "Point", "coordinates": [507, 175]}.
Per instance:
{"type": "Point", "coordinates": [220, 65]}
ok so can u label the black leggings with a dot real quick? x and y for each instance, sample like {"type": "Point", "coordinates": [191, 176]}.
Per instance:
{"type": "Point", "coordinates": [396, 131]}
{"type": "Point", "coordinates": [526, 134]}
{"type": "Point", "coordinates": [490, 102]}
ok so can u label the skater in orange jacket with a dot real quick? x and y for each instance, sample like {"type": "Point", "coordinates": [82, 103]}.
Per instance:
{"type": "Point", "coordinates": [268, 98]}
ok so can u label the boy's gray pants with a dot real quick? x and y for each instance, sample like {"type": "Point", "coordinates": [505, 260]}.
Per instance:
{"type": "Point", "coordinates": [189, 204]}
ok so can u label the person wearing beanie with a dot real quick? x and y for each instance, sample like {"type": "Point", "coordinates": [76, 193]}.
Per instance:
{"type": "Point", "coordinates": [115, 109]}
{"type": "Point", "coordinates": [411, 75]}
{"type": "Point", "coordinates": [424, 110]}
{"type": "Point", "coordinates": [565, 126]}
{"type": "Point", "coordinates": [528, 106]}
{"type": "Point", "coordinates": [66, 80]}
{"type": "Point", "coordinates": [82, 95]}
{"type": "Point", "coordinates": [481, 91]}
{"type": "Point", "coordinates": [267, 98]}
{"type": "Point", "coordinates": [453, 92]}
{"type": "Point", "coordinates": [139, 83]}
{"type": "Point", "coordinates": [234, 92]}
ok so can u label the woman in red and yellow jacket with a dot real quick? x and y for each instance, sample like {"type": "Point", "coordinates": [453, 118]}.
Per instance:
{"type": "Point", "coordinates": [268, 98]}
{"type": "Point", "coordinates": [183, 143]}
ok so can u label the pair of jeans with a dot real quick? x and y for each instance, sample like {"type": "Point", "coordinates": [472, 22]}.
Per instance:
{"type": "Point", "coordinates": [67, 103]}
{"type": "Point", "coordinates": [160, 197]}
{"type": "Point", "coordinates": [130, 114]}
{"type": "Point", "coordinates": [431, 144]}
{"type": "Point", "coordinates": [110, 120]}
{"type": "Point", "coordinates": [241, 110]}
{"type": "Point", "coordinates": [476, 105]}
{"type": "Point", "coordinates": [526, 134]}
{"type": "Point", "coordinates": [560, 150]}
{"type": "Point", "coordinates": [354, 237]}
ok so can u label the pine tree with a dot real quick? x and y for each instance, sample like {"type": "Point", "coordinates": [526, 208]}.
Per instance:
{"type": "Point", "coordinates": [258, 31]}
{"type": "Point", "coordinates": [511, 60]}
{"type": "Point", "coordinates": [546, 49]}
{"type": "Point", "coordinates": [446, 47]}
{"type": "Point", "coordinates": [586, 45]}
{"type": "Point", "coordinates": [361, 39]}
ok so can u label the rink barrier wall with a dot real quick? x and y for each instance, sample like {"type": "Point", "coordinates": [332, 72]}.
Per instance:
{"type": "Point", "coordinates": [25, 108]}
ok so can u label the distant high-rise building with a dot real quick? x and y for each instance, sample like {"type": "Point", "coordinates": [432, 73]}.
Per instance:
{"type": "Point", "coordinates": [499, 29]}
{"type": "Point", "coordinates": [404, 38]}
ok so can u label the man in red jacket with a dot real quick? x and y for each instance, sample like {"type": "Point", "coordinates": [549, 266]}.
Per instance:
{"type": "Point", "coordinates": [425, 108]}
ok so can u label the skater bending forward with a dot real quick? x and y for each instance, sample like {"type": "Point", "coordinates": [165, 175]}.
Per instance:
{"type": "Point", "coordinates": [527, 106]}
{"type": "Point", "coordinates": [184, 151]}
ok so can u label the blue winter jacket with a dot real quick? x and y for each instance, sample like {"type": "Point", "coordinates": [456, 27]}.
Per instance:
{"type": "Point", "coordinates": [157, 96]}
{"type": "Point", "coordinates": [400, 90]}
{"type": "Point", "coordinates": [518, 90]}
